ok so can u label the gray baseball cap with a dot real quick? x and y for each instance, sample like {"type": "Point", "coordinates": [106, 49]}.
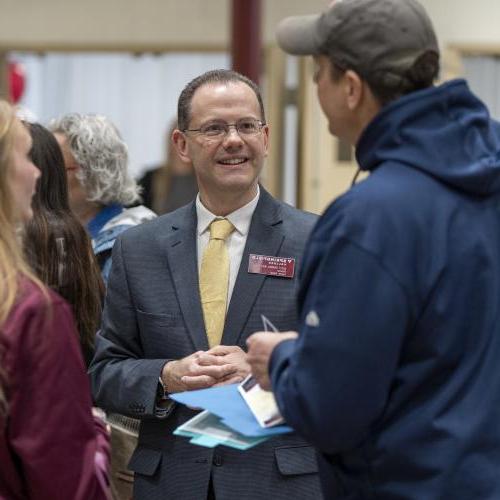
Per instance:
{"type": "Point", "coordinates": [364, 35]}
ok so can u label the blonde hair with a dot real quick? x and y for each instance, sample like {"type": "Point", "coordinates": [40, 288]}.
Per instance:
{"type": "Point", "coordinates": [12, 264]}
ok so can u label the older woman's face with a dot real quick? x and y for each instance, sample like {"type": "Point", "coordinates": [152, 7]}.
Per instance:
{"type": "Point", "coordinates": [23, 174]}
{"type": "Point", "coordinates": [76, 192]}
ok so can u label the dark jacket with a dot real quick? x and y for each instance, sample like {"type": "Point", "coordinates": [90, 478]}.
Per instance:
{"type": "Point", "coordinates": [153, 313]}
{"type": "Point", "coordinates": [50, 446]}
{"type": "Point", "coordinates": [396, 374]}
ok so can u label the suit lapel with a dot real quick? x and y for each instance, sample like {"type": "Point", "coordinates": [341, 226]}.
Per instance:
{"type": "Point", "coordinates": [182, 259]}
{"type": "Point", "coordinates": [265, 237]}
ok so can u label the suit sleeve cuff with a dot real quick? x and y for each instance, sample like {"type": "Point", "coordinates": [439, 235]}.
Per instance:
{"type": "Point", "coordinates": [163, 404]}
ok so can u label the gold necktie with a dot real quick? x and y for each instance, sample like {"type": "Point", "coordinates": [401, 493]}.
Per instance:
{"type": "Point", "coordinates": [214, 280]}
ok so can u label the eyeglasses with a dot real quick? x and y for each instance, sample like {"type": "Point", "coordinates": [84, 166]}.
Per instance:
{"type": "Point", "coordinates": [217, 130]}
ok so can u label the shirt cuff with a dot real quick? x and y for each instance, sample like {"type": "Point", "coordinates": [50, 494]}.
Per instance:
{"type": "Point", "coordinates": [163, 404]}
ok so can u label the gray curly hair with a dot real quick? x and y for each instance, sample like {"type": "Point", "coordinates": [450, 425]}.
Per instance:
{"type": "Point", "coordinates": [102, 155]}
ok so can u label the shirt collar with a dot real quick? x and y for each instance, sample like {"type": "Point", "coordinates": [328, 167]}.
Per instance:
{"type": "Point", "coordinates": [240, 218]}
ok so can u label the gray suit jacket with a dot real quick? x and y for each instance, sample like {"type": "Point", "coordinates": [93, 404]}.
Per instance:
{"type": "Point", "coordinates": [153, 314]}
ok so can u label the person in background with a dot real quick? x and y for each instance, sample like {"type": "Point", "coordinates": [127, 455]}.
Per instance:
{"type": "Point", "coordinates": [99, 185]}
{"type": "Point", "coordinates": [50, 444]}
{"type": "Point", "coordinates": [395, 373]}
{"type": "Point", "coordinates": [100, 188]}
{"type": "Point", "coordinates": [57, 246]}
{"type": "Point", "coordinates": [171, 185]}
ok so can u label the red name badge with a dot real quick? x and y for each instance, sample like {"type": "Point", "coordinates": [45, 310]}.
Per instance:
{"type": "Point", "coordinates": [283, 267]}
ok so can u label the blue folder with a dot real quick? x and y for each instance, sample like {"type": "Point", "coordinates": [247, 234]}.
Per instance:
{"type": "Point", "coordinates": [226, 402]}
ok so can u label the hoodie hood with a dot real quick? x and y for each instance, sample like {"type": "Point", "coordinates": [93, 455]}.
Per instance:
{"type": "Point", "coordinates": [443, 131]}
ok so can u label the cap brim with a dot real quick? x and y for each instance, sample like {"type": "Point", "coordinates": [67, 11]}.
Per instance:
{"type": "Point", "coordinates": [298, 35]}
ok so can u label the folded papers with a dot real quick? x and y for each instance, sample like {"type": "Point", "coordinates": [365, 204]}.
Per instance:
{"type": "Point", "coordinates": [207, 429]}
{"type": "Point", "coordinates": [235, 425]}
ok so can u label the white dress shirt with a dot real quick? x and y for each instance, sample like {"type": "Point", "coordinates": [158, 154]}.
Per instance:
{"type": "Point", "coordinates": [236, 241]}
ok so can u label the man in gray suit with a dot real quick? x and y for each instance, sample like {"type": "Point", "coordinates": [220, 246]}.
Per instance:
{"type": "Point", "coordinates": [154, 340]}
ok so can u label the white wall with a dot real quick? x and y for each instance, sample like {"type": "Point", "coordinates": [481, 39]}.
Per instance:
{"type": "Point", "coordinates": [137, 93]}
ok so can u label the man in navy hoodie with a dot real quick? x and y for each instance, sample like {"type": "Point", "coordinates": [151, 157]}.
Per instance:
{"type": "Point", "coordinates": [395, 373]}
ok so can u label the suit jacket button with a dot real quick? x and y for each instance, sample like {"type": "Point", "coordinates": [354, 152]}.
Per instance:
{"type": "Point", "coordinates": [217, 460]}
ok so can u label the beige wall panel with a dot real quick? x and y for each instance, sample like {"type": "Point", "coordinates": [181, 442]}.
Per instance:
{"type": "Point", "coordinates": [273, 85]}
{"type": "Point", "coordinates": [176, 23]}
{"type": "Point", "coordinates": [199, 23]}
{"type": "Point", "coordinates": [4, 93]}
{"type": "Point", "coordinates": [465, 20]}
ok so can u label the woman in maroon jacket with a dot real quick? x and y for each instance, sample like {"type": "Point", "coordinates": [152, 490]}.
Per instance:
{"type": "Point", "coordinates": [50, 445]}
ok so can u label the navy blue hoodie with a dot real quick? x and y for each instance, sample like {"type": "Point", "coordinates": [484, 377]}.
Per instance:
{"type": "Point", "coordinates": [395, 377]}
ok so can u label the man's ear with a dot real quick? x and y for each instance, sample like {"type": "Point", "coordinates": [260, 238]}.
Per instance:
{"type": "Point", "coordinates": [265, 132]}
{"type": "Point", "coordinates": [181, 145]}
{"type": "Point", "coordinates": [354, 89]}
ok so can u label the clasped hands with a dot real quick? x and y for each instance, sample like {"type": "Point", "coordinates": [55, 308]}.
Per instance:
{"type": "Point", "coordinates": [224, 364]}
{"type": "Point", "coordinates": [218, 366]}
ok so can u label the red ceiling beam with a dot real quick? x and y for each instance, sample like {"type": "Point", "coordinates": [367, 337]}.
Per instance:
{"type": "Point", "coordinates": [246, 43]}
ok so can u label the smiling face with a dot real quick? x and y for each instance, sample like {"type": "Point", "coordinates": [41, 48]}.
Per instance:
{"type": "Point", "coordinates": [23, 174]}
{"type": "Point", "coordinates": [227, 168]}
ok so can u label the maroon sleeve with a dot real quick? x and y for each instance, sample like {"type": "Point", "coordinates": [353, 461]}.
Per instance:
{"type": "Point", "coordinates": [51, 429]}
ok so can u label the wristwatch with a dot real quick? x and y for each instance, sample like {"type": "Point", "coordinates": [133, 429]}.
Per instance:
{"type": "Point", "coordinates": [164, 405]}
{"type": "Point", "coordinates": [162, 391]}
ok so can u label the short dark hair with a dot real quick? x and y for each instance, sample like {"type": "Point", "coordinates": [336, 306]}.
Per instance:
{"type": "Point", "coordinates": [214, 76]}
{"type": "Point", "coordinates": [420, 75]}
